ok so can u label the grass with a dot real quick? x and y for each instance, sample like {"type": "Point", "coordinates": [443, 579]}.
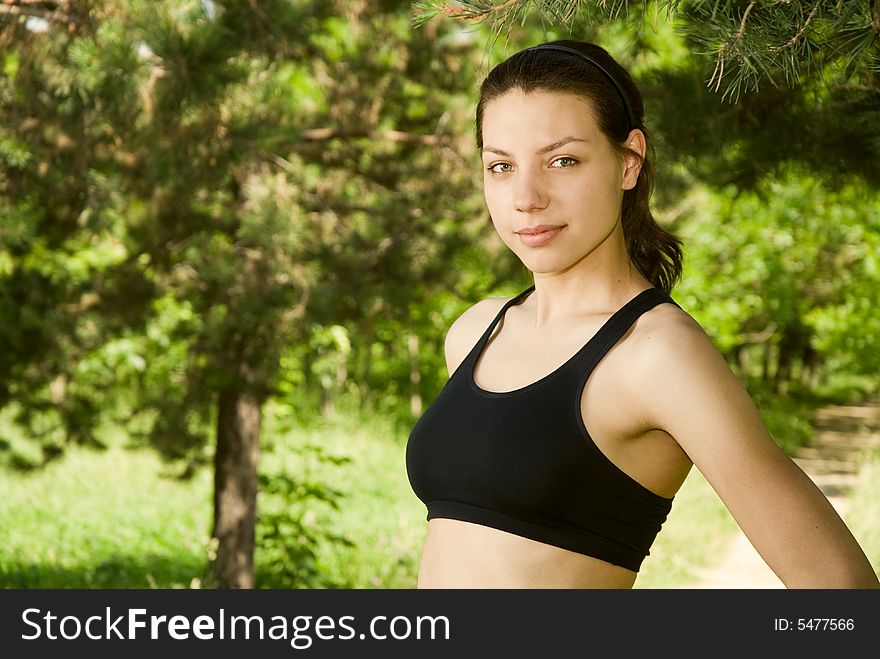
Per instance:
{"type": "Point", "coordinates": [863, 512]}
{"type": "Point", "coordinates": [109, 519]}
{"type": "Point", "coordinates": [119, 519]}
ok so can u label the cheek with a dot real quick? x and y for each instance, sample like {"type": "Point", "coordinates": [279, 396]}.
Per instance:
{"type": "Point", "coordinates": [596, 195]}
{"type": "Point", "coordinates": [494, 200]}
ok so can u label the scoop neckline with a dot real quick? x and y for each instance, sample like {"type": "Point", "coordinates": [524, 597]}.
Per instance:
{"type": "Point", "coordinates": [485, 338]}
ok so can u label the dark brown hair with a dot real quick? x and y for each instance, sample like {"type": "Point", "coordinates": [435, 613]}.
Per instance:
{"type": "Point", "coordinates": [653, 250]}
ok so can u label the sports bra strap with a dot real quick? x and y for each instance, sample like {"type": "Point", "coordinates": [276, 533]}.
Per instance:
{"type": "Point", "coordinates": [512, 301]}
{"type": "Point", "coordinates": [620, 322]}
{"type": "Point", "coordinates": [612, 330]}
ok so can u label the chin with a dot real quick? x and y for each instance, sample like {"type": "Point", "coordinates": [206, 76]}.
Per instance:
{"type": "Point", "coordinates": [543, 266]}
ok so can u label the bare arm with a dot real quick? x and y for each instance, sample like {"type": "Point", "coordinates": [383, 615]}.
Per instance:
{"type": "Point", "coordinates": [693, 395]}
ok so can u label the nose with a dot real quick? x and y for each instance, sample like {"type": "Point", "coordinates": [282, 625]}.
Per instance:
{"type": "Point", "coordinates": [529, 195]}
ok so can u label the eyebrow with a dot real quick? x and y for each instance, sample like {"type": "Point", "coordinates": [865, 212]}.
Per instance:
{"type": "Point", "coordinates": [544, 149]}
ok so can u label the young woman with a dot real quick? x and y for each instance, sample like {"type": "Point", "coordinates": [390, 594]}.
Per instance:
{"type": "Point", "coordinates": [576, 409]}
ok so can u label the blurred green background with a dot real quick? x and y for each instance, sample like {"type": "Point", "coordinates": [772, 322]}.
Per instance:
{"type": "Point", "coordinates": [230, 228]}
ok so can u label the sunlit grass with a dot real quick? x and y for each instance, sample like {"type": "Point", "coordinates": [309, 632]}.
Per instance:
{"type": "Point", "coordinates": [108, 519]}
{"type": "Point", "coordinates": [863, 511]}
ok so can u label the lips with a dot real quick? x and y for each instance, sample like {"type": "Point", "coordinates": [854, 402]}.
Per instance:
{"type": "Point", "coordinates": [540, 234]}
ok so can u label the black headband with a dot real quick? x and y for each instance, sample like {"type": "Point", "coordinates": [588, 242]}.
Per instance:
{"type": "Point", "coordinates": [620, 90]}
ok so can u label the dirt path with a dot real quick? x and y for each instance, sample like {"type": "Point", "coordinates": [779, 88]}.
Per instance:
{"type": "Point", "coordinates": [831, 459]}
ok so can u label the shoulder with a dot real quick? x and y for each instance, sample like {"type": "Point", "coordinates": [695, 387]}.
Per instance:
{"type": "Point", "coordinates": [667, 336]}
{"type": "Point", "coordinates": [467, 329]}
{"type": "Point", "coordinates": [673, 354]}
{"type": "Point", "coordinates": [683, 385]}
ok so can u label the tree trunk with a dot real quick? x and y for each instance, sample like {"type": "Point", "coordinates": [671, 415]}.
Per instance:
{"type": "Point", "coordinates": [235, 489]}
{"type": "Point", "coordinates": [415, 376]}
{"type": "Point", "coordinates": [328, 410]}
{"type": "Point", "coordinates": [366, 375]}
{"type": "Point", "coordinates": [768, 360]}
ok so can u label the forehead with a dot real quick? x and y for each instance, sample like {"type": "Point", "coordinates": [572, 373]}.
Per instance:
{"type": "Point", "coordinates": [537, 116]}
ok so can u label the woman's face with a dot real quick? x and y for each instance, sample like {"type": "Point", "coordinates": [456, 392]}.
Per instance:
{"type": "Point", "coordinates": [553, 182]}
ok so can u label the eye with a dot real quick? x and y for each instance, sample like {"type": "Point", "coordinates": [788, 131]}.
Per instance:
{"type": "Point", "coordinates": [564, 162]}
{"type": "Point", "coordinates": [500, 167]}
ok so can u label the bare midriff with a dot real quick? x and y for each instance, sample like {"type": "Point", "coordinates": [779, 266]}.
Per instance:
{"type": "Point", "coordinates": [460, 554]}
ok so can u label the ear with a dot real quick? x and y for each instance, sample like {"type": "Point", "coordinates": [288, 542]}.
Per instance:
{"type": "Point", "coordinates": [635, 142]}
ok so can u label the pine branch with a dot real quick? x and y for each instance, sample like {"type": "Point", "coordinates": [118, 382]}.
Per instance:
{"type": "Point", "coordinates": [731, 47]}
{"type": "Point", "coordinates": [801, 31]}
{"type": "Point", "coordinates": [474, 12]}
{"type": "Point", "coordinates": [751, 44]}
{"type": "Point", "coordinates": [503, 14]}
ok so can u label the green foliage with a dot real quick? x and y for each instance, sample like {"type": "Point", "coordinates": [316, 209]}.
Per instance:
{"type": "Point", "coordinates": [62, 239]}
{"type": "Point", "coordinates": [255, 184]}
{"type": "Point", "coordinates": [786, 417]}
{"type": "Point", "coordinates": [288, 533]}
{"type": "Point", "coordinates": [782, 273]}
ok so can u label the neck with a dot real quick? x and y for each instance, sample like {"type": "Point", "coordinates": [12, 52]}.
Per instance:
{"type": "Point", "coordinates": [601, 282]}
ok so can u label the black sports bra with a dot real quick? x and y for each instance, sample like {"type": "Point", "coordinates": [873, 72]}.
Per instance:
{"type": "Point", "coordinates": [522, 461]}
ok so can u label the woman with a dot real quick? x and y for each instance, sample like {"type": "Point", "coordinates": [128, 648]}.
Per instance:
{"type": "Point", "coordinates": [576, 409]}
